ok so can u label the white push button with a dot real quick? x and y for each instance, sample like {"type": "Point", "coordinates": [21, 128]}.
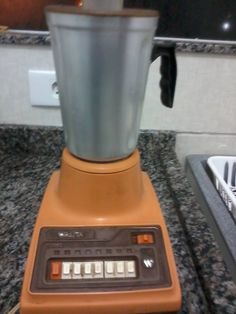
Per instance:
{"type": "Point", "coordinates": [87, 270]}
{"type": "Point", "coordinates": [120, 269]}
{"type": "Point", "coordinates": [130, 266]}
{"type": "Point", "coordinates": [76, 270]}
{"type": "Point", "coordinates": [130, 269]}
{"type": "Point", "coordinates": [109, 269]}
{"type": "Point", "coordinates": [66, 270]}
{"type": "Point", "coordinates": [98, 269]}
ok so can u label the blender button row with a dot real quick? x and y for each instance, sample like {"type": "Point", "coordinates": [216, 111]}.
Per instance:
{"type": "Point", "coordinates": [93, 269]}
{"type": "Point", "coordinates": [120, 269]}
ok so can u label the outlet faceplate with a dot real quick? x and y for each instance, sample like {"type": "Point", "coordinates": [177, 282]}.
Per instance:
{"type": "Point", "coordinates": [43, 88]}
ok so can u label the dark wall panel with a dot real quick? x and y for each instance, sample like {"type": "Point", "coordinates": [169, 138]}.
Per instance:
{"type": "Point", "coordinates": [203, 19]}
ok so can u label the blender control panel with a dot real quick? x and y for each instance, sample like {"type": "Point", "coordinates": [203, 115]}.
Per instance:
{"type": "Point", "coordinates": [100, 258]}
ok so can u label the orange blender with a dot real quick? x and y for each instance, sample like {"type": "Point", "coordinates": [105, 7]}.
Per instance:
{"type": "Point", "coordinates": [100, 243]}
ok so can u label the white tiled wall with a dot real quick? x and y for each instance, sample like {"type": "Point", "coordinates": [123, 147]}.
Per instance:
{"type": "Point", "coordinates": [204, 111]}
{"type": "Point", "coordinates": [205, 99]}
{"type": "Point", "coordinates": [15, 61]}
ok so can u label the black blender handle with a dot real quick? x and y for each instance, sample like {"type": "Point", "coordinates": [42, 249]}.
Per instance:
{"type": "Point", "coordinates": [168, 71]}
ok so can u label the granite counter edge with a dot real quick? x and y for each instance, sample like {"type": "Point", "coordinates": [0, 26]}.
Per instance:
{"type": "Point", "coordinates": [38, 38]}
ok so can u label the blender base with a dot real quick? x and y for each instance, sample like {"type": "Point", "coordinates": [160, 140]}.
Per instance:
{"type": "Point", "coordinates": [100, 244]}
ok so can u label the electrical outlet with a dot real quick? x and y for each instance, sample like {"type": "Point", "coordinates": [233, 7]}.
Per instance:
{"type": "Point", "coordinates": [43, 88]}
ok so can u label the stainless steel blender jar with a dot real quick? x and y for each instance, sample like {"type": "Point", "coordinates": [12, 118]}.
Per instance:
{"type": "Point", "coordinates": [102, 63]}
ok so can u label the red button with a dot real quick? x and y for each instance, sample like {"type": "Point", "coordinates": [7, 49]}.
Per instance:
{"type": "Point", "coordinates": [55, 270]}
{"type": "Point", "coordinates": [145, 239]}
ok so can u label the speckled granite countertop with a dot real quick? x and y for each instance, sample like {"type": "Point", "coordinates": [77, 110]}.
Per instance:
{"type": "Point", "coordinates": [42, 38]}
{"type": "Point", "coordinates": [29, 155]}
